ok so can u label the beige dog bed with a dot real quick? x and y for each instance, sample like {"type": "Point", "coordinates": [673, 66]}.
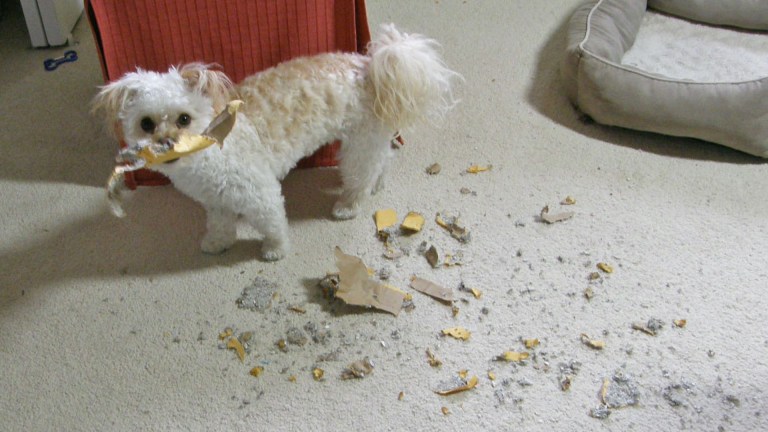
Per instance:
{"type": "Point", "coordinates": [733, 113]}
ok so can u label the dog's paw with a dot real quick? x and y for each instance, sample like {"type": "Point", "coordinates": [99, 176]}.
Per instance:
{"type": "Point", "coordinates": [343, 212]}
{"type": "Point", "coordinates": [273, 253]}
{"type": "Point", "coordinates": [215, 246]}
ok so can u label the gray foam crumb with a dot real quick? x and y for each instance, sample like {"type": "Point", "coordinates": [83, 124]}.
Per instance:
{"type": "Point", "coordinates": [258, 295]}
{"type": "Point", "coordinates": [602, 412]}
{"type": "Point", "coordinates": [296, 336]}
{"type": "Point", "coordinates": [622, 391]}
{"type": "Point", "coordinates": [655, 324]}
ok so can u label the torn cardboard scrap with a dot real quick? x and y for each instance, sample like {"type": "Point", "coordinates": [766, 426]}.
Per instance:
{"type": "Point", "coordinates": [434, 169]}
{"type": "Point", "coordinates": [607, 268]}
{"type": "Point", "coordinates": [432, 289]}
{"type": "Point", "coordinates": [652, 327]}
{"type": "Point", "coordinates": [357, 288]}
{"type": "Point", "coordinates": [512, 356]}
{"type": "Point", "coordinates": [531, 343]}
{"type": "Point", "coordinates": [432, 256]}
{"type": "Point", "coordinates": [234, 344]}
{"type": "Point", "coordinates": [451, 224]}
{"type": "Point", "coordinates": [359, 369]}
{"type": "Point", "coordinates": [457, 333]}
{"type": "Point", "coordinates": [432, 359]}
{"type": "Point", "coordinates": [317, 374]}
{"type": "Point", "coordinates": [474, 291]}
{"type": "Point", "coordinates": [455, 385]}
{"type": "Point", "coordinates": [329, 284]}
{"type": "Point", "coordinates": [592, 343]}
{"type": "Point", "coordinates": [554, 218]}
{"type": "Point", "coordinates": [475, 169]}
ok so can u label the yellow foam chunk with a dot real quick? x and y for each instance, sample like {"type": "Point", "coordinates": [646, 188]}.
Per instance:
{"type": "Point", "coordinates": [413, 222]}
{"type": "Point", "coordinates": [385, 219]}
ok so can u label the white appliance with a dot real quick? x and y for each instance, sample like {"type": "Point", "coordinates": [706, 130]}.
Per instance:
{"type": "Point", "coordinates": [50, 22]}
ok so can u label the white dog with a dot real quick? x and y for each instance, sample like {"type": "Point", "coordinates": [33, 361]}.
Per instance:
{"type": "Point", "coordinates": [290, 111]}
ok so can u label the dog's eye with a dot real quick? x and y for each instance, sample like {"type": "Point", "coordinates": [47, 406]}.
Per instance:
{"type": "Point", "coordinates": [147, 125]}
{"type": "Point", "coordinates": [184, 120]}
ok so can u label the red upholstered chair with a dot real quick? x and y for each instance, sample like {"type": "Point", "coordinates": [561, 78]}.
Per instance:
{"type": "Point", "coordinates": [243, 36]}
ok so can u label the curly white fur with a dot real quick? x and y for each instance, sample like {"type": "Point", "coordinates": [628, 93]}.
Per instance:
{"type": "Point", "coordinates": [290, 111]}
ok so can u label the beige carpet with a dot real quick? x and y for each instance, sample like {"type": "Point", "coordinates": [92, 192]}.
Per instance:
{"type": "Point", "coordinates": [110, 324]}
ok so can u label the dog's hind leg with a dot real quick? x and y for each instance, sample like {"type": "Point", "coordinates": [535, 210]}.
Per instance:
{"type": "Point", "coordinates": [364, 158]}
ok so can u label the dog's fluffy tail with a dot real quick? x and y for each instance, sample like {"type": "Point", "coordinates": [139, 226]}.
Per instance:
{"type": "Point", "coordinates": [411, 84]}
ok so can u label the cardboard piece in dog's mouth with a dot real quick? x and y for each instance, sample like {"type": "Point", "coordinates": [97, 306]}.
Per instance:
{"type": "Point", "coordinates": [215, 133]}
{"type": "Point", "coordinates": [133, 158]}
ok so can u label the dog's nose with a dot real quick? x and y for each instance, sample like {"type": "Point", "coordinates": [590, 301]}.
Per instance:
{"type": "Point", "coordinates": [167, 143]}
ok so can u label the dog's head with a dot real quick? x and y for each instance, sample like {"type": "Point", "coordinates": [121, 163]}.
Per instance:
{"type": "Point", "coordinates": [151, 107]}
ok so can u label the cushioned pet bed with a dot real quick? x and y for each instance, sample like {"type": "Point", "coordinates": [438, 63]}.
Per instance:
{"type": "Point", "coordinates": [619, 72]}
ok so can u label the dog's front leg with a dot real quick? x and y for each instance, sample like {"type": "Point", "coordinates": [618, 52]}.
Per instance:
{"type": "Point", "coordinates": [266, 213]}
{"type": "Point", "coordinates": [221, 232]}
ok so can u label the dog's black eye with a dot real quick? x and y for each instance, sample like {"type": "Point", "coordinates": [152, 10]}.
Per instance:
{"type": "Point", "coordinates": [184, 120]}
{"type": "Point", "coordinates": [147, 125]}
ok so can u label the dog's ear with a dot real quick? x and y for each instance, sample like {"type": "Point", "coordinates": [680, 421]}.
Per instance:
{"type": "Point", "coordinates": [211, 83]}
{"type": "Point", "coordinates": [112, 99]}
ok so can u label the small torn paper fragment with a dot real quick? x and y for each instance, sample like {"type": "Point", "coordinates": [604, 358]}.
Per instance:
{"type": "Point", "coordinates": [652, 327]}
{"type": "Point", "coordinates": [592, 343]}
{"type": "Point", "coordinates": [359, 369]}
{"type": "Point", "coordinates": [531, 343]}
{"type": "Point", "coordinates": [432, 359]}
{"type": "Point", "coordinates": [413, 222]}
{"type": "Point", "coordinates": [512, 356]}
{"type": "Point", "coordinates": [297, 309]}
{"type": "Point", "coordinates": [329, 284]}
{"type": "Point", "coordinates": [455, 385]}
{"type": "Point", "coordinates": [434, 169]}
{"type": "Point", "coordinates": [432, 289]}
{"type": "Point", "coordinates": [385, 219]}
{"type": "Point", "coordinates": [317, 374]}
{"type": "Point", "coordinates": [589, 293]}
{"type": "Point", "coordinates": [605, 267]}
{"type": "Point", "coordinates": [457, 333]}
{"type": "Point", "coordinates": [475, 169]}
{"type": "Point", "coordinates": [228, 332]}
{"type": "Point", "coordinates": [554, 218]}
{"type": "Point", "coordinates": [432, 256]}
{"type": "Point", "coordinates": [451, 224]}
{"type": "Point", "coordinates": [454, 259]}
{"type": "Point", "coordinates": [234, 344]}
{"type": "Point", "coordinates": [357, 288]}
